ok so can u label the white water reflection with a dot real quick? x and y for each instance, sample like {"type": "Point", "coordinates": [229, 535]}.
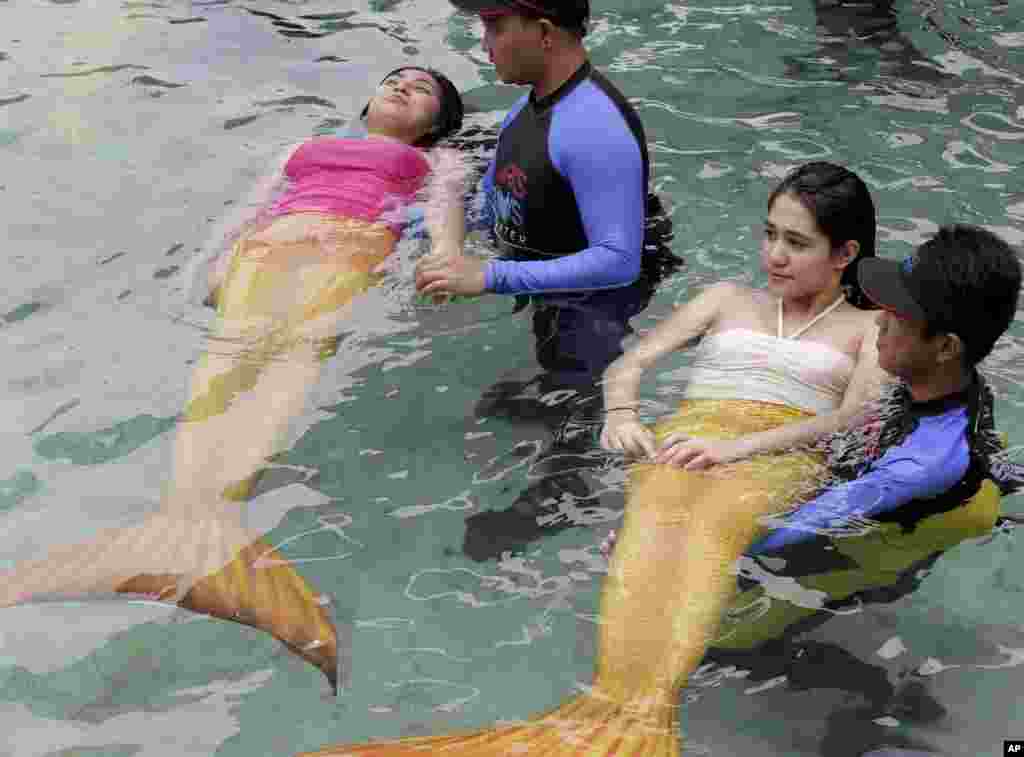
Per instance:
{"type": "Point", "coordinates": [963, 155]}
{"type": "Point", "coordinates": [199, 726]}
{"type": "Point", "coordinates": [50, 636]}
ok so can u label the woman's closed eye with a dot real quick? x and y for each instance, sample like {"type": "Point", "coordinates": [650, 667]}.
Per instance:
{"type": "Point", "coordinates": [793, 241]}
{"type": "Point", "coordinates": [420, 86]}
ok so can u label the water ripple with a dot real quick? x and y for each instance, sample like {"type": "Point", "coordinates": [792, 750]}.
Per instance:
{"type": "Point", "coordinates": [459, 503]}
{"type": "Point", "coordinates": [972, 122]}
{"type": "Point", "coordinates": [794, 149]}
{"type": "Point", "coordinates": [468, 586]}
{"type": "Point", "coordinates": [960, 154]}
{"type": "Point", "coordinates": [420, 686]}
{"type": "Point", "coordinates": [12, 100]}
{"type": "Point", "coordinates": [92, 71]}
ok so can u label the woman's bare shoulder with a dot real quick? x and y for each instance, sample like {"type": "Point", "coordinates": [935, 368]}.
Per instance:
{"type": "Point", "coordinates": [858, 331]}
{"type": "Point", "coordinates": [727, 304]}
{"type": "Point", "coordinates": [863, 322]}
{"type": "Point", "coordinates": [731, 291]}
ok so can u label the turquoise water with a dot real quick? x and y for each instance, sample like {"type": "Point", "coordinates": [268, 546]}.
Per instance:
{"type": "Point", "coordinates": [129, 129]}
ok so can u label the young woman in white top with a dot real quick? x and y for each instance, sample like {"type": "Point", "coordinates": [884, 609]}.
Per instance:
{"type": "Point", "coordinates": [775, 370]}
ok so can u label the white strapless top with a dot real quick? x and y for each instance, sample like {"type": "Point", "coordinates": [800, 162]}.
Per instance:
{"type": "Point", "coordinates": [744, 364]}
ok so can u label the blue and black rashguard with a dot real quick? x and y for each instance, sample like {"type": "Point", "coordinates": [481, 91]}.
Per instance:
{"type": "Point", "coordinates": [565, 197]}
{"type": "Point", "coordinates": [567, 189]}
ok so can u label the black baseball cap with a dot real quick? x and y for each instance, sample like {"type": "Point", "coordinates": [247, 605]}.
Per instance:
{"type": "Point", "coordinates": [908, 287]}
{"type": "Point", "coordinates": [572, 14]}
{"type": "Point", "coordinates": [965, 281]}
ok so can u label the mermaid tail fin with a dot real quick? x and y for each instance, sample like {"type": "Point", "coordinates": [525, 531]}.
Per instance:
{"type": "Point", "coordinates": [583, 726]}
{"type": "Point", "coordinates": [258, 588]}
{"type": "Point", "coordinates": [210, 567]}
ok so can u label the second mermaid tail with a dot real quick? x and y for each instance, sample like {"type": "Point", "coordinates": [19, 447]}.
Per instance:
{"type": "Point", "coordinates": [669, 579]}
{"type": "Point", "coordinates": [585, 726]}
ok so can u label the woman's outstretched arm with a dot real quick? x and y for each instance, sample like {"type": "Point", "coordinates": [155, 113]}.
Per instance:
{"type": "Point", "coordinates": [445, 212]}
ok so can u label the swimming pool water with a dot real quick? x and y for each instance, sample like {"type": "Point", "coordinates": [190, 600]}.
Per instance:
{"type": "Point", "coordinates": [128, 129]}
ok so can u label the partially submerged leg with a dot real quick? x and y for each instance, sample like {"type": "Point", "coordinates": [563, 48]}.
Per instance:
{"type": "Point", "coordinates": [281, 309]}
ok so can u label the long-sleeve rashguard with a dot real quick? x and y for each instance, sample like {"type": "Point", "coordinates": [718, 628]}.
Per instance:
{"type": "Point", "coordinates": [926, 465]}
{"type": "Point", "coordinates": [566, 191]}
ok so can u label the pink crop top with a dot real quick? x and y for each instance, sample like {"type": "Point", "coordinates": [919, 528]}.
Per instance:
{"type": "Point", "coordinates": [370, 179]}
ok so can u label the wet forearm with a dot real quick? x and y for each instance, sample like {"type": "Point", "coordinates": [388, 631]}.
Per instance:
{"type": "Point", "coordinates": [622, 381]}
{"type": "Point", "coordinates": [446, 225]}
{"type": "Point", "coordinates": [445, 212]}
{"type": "Point", "coordinates": [803, 434]}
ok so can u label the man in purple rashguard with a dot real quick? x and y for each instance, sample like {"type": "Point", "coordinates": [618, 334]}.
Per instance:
{"type": "Point", "coordinates": [566, 198]}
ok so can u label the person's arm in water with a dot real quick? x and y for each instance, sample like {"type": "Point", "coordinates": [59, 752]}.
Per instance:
{"type": "Point", "coordinates": [925, 465]}
{"type": "Point", "coordinates": [864, 386]}
{"type": "Point", "coordinates": [447, 270]}
{"type": "Point", "coordinates": [623, 429]}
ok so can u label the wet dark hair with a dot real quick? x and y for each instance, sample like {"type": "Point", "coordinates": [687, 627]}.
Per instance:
{"type": "Point", "coordinates": [449, 117]}
{"type": "Point", "coordinates": [842, 208]}
{"type": "Point", "coordinates": [578, 28]}
{"type": "Point", "coordinates": [571, 15]}
{"type": "Point", "coordinates": [977, 280]}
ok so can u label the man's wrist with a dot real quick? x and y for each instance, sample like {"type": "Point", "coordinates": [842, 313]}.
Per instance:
{"type": "Point", "coordinates": [445, 247]}
{"type": "Point", "coordinates": [488, 276]}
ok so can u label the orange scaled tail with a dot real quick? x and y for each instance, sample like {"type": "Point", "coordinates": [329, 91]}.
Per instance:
{"type": "Point", "coordinates": [258, 588]}
{"type": "Point", "coordinates": [198, 566]}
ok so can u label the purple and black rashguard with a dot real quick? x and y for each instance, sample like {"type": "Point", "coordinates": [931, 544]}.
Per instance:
{"type": "Point", "coordinates": [931, 470]}
{"type": "Point", "coordinates": [565, 198]}
{"type": "Point", "coordinates": [566, 192]}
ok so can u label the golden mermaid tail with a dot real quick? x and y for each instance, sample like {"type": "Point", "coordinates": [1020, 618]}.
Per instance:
{"type": "Point", "coordinates": [669, 579]}
{"type": "Point", "coordinates": [287, 293]}
{"type": "Point", "coordinates": [288, 288]}
{"type": "Point", "coordinates": [585, 725]}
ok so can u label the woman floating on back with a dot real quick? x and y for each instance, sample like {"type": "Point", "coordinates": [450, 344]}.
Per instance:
{"type": "Point", "coordinates": [281, 296]}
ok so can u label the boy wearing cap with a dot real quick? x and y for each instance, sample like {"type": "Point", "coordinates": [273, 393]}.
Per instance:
{"type": "Point", "coordinates": [943, 308]}
{"type": "Point", "coordinates": [919, 479]}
